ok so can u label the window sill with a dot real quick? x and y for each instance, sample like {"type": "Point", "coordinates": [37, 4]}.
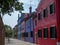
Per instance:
{"type": "Point", "coordinates": [52, 14]}
{"type": "Point", "coordinates": [45, 38]}
{"type": "Point", "coordinates": [39, 38]}
{"type": "Point", "coordinates": [53, 38]}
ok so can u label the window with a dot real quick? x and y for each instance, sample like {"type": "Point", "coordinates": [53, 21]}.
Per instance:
{"type": "Point", "coordinates": [31, 33]}
{"type": "Point", "coordinates": [45, 13]}
{"type": "Point", "coordinates": [39, 33]}
{"type": "Point", "coordinates": [39, 16]}
{"type": "Point", "coordinates": [35, 22]}
{"type": "Point", "coordinates": [45, 32]}
{"type": "Point", "coordinates": [26, 34]}
{"type": "Point", "coordinates": [52, 8]}
{"type": "Point", "coordinates": [22, 34]}
{"type": "Point", "coordinates": [53, 32]}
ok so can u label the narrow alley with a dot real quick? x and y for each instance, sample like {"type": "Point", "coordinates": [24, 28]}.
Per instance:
{"type": "Point", "coordinates": [17, 42]}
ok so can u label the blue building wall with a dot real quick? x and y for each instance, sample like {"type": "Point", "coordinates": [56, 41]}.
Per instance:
{"type": "Point", "coordinates": [29, 26]}
{"type": "Point", "coordinates": [27, 29]}
{"type": "Point", "coordinates": [32, 28]}
{"type": "Point", "coordinates": [20, 19]}
{"type": "Point", "coordinates": [19, 26]}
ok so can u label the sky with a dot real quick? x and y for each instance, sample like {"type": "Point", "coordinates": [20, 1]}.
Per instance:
{"type": "Point", "coordinates": [12, 20]}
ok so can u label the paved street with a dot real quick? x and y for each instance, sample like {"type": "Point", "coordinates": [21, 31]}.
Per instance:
{"type": "Point", "coordinates": [17, 42]}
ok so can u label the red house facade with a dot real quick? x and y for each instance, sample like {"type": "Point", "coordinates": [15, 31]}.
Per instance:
{"type": "Point", "coordinates": [48, 23]}
{"type": "Point", "coordinates": [35, 28]}
{"type": "Point", "coordinates": [22, 30]}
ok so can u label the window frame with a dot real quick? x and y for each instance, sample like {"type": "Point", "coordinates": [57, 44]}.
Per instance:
{"type": "Point", "coordinates": [31, 33]}
{"type": "Point", "coordinates": [45, 13]}
{"type": "Point", "coordinates": [51, 9]}
{"type": "Point", "coordinates": [40, 36]}
{"type": "Point", "coordinates": [45, 33]}
{"type": "Point", "coordinates": [39, 16]}
{"type": "Point", "coordinates": [35, 23]}
{"type": "Point", "coordinates": [55, 33]}
{"type": "Point", "coordinates": [26, 33]}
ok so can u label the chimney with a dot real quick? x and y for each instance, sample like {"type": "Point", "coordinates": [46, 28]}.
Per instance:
{"type": "Point", "coordinates": [30, 10]}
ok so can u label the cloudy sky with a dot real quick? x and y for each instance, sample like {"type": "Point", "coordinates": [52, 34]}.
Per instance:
{"type": "Point", "coordinates": [12, 20]}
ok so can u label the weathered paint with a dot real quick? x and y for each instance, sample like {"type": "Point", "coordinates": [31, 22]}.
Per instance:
{"type": "Point", "coordinates": [27, 24]}
{"type": "Point", "coordinates": [35, 31]}
{"type": "Point", "coordinates": [19, 27]}
{"type": "Point", "coordinates": [48, 22]}
{"type": "Point", "coordinates": [57, 7]}
{"type": "Point", "coordinates": [32, 28]}
{"type": "Point", "coordinates": [22, 30]}
{"type": "Point", "coordinates": [20, 19]}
